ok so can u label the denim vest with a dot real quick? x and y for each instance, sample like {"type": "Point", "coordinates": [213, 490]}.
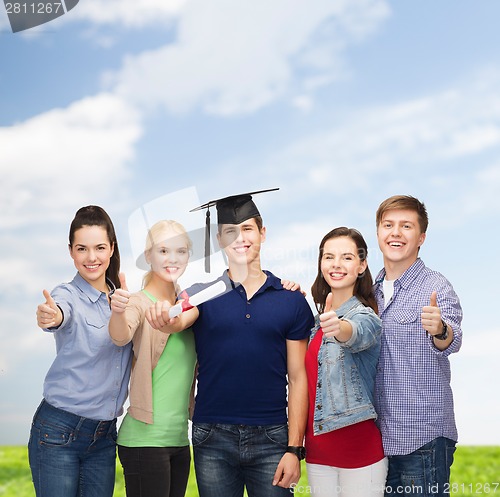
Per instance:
{"type": "Point", "coordinates": [346, 371]}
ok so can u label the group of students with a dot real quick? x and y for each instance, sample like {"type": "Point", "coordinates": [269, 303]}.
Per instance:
{"type": "Point", "coordinates": [361, 391]}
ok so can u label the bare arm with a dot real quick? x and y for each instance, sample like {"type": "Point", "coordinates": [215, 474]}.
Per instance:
{"type": "Point", "coordinates": [119, 329]}
{"type": "Point", "coordinates": [288, 471]}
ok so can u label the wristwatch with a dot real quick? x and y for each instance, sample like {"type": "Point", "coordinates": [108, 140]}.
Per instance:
{"type": "Point", "coordinates": [299, 451]}
{"type": "Point", "coordinates": [444, 334]}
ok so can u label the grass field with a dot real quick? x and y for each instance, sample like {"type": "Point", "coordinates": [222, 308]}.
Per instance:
{"type": "Point", "coordinates": [476, 472]}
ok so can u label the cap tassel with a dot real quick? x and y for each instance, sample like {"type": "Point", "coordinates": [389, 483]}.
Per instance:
{"type": "Point", "coordinates": [207, 241]}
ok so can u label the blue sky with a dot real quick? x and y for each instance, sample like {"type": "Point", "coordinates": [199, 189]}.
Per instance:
{"type": "Point", "coordinates": [339, 103]}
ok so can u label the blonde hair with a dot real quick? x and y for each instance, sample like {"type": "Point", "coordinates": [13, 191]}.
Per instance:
{"type": "Point", "coordinates": [157, 233]}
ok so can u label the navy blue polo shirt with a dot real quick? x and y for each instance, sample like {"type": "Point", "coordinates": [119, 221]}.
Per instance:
{"type": "Point", "coordinates": [241, 348]}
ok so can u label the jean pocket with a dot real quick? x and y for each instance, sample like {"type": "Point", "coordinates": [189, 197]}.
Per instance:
{"type": "Point", "coordinates": [414, 485]}
{"type": "Point", "coordinates": [201, 433]}
{"type": "Point", "coordinates": [278, 434]}
{"type": "Point", "coordinates": [51, 435]}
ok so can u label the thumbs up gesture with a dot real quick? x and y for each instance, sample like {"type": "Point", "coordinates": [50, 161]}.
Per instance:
{"type": "Point", "coordinates": [329, 321]}
{"type": "Point", "coordinates": [120, 297]}
{"type": "Point", "coordinates": [431, 316]}
{"type": "Point", "coordinates": [48, 315]}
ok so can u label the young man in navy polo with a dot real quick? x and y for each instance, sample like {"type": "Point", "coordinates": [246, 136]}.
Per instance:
{"type": "Point", "coordinates": [251, 343]}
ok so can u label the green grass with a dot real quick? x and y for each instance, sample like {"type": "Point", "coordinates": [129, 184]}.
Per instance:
{"type": "Point", "coordinates": [475, 472]}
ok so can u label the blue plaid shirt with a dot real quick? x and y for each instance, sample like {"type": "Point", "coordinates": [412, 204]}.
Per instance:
{"type": "Point", "coordinates": [413, 395]}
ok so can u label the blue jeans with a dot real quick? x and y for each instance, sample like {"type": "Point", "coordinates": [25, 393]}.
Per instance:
{"type": "Point", "coordinates": [423, 473]}
{"type": "Point", "coordinates": [71, 456]}
{"type": "Point", "coordinates": [228, 458]}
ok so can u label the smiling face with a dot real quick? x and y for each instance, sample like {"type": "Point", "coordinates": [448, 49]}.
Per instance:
{"type": "Point", "coordinates": [341, 266]}
{"type": "Point", "coordinates": [91, 252]}
{"type": "Point", "coordinates": [169, 257]}
{"type": "Point", "coordinates": [242, 242]}
{"type": "Point", "coordinates": [399, 238]}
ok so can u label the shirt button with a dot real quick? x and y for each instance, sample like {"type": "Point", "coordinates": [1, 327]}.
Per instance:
{"type": "Point", "coordinates": [320, 427]}
{"type": "Point", "coordinates": [248, 316]}
{"type": "Point", "coordinates": [319, 406]}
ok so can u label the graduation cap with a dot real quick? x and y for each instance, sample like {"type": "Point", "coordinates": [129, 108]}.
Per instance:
{"type": "Point", "coordinates": [230, 210]}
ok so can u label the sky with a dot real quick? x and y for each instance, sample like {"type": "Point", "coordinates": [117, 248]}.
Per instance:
{"type": "Point", "coordinates": [167, 103]}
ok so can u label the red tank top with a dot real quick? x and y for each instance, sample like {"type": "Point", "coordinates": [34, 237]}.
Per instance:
{"type": "Point", "coordinates": [354, 446]}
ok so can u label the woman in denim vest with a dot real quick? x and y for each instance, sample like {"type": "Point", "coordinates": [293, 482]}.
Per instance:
{"type": "Point", "coordinates": [344, 452]}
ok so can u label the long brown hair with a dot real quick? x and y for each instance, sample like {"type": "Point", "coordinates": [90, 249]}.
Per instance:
{"type": "Point", "coordinates": [93, 215]}
{"type": "Point", "coordinates": [363, 288]}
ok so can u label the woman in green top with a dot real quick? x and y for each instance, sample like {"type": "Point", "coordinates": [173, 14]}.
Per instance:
{"type": "Point", "coordinates": [153, 443]}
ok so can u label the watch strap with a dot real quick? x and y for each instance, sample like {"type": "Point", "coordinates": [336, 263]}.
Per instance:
{"type": "Point", "coordinates": [444, 334]}
{"type": "Point", "coordinates": [298, 450]}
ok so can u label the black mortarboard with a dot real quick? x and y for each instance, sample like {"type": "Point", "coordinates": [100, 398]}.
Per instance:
{"type": "Point", "coordinates": [230, 210]}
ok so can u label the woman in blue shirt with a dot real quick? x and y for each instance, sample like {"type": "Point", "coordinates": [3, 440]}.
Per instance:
{"type": "Point", "coordinates": [72, 444]}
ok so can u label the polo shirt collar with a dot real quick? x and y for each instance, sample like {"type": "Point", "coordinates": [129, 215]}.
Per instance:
{"type": "Point", "coordinates": [271, 281]}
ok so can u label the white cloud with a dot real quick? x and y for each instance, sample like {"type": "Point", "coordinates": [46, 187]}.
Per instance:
{"type": "Point", "coordinates": [53, 160]}
{"type": "Point", "coordinates": [425, 136]}
{"type": "Point", "coordinates": [128, 13]}
{"type": "Point", "coordinates": [51, 165]}
{"type": "Point", "coordinates": [236, 57]}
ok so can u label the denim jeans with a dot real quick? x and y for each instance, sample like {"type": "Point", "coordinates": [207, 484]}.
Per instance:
{"type": "Point", "coordinates": [70, 455]}
{"type": "Point", "coordinates": [228, 458]}
{"type": "Point", "coordinates": [155, 471]}
{"type": "Point", "coordinates": [423, 473]}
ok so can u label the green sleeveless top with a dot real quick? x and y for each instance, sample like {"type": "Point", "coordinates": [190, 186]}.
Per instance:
{"type": "Point", "coordinates": [172, 382]}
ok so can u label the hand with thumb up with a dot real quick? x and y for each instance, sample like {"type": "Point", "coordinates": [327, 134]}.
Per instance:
{"type": "Point", "coordinates": [48, 315]}
{"type": "Point", "coordinates": [431, 316]}
{"type": "Point", "coordinates": [120, 297]}
{"type": "Point", "coordinates": [329, 321]}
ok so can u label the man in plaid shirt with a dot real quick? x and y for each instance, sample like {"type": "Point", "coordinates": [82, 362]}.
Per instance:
{"type": "Point", "coordinates": [421, 317]}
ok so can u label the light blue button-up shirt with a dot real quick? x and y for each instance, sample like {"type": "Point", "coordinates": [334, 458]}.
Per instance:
{"type": "Point", "coordinates": [89, 376]}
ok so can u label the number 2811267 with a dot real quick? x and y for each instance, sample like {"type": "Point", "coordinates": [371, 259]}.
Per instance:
{"type": "Point", "coordinates": [33, 7]}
